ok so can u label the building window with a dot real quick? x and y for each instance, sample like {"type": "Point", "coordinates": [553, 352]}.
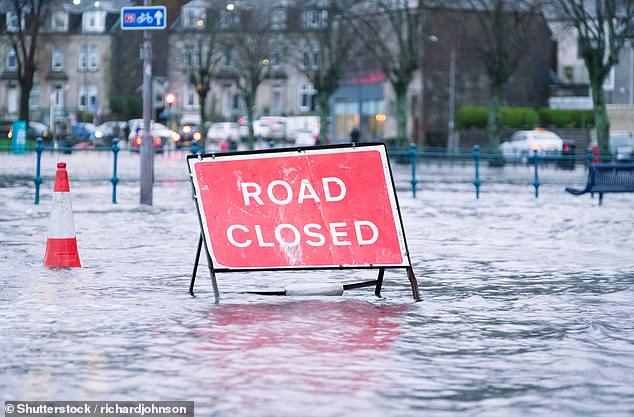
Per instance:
{"type": "Point", "coordinates": [34, 97]}
{"type": "Point", "coordinates": [192, 55]}
{"type": "Point", "coordinates": [11, 60]}
{"type": "Point", "coordinates": [94, 21]}
{"type": "Point", "coordinates": [310, 57]}
{"type": "Point", "coordinates": [88, 58]}
{"type": "Point", "coordinates": [229, 19]}
{"type": "Point", "coordinates": [278, 19]}
{"type": "Point", "coordinates": [190, 98]}
{"type": "Point", "coordinates": [12, 22]}
{"type": "Point", "coordinates": [307, 98]}
{"type": "Point", "coordinates": [276, 100]}
{"type": "Point", "coordinates": [12, 100]}
{"type": "Point", "coordinates": [57, 97]}
{"type": "Point", "coordinates": [59, 21]}
{"type": "Point", "coordinates": [88, 97]}
{"type": "Point", "coordinates": [276, 56]}
{"type": "Point", "coordinates": [227, 59]}
{"type": "Point", "coordinates": [57, 59]}
{"type": "Point", "coordinates": [346, 118]}
{"type": "Point", "coordinates": [194, 17]}
{"type": "Point", "coordinates": [314, 19]}
{"type": "Point", "coordinates": [373, 113]}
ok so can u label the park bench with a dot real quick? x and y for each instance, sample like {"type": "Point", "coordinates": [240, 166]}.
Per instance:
{"type": "Point", "coordinates": [607, 178]}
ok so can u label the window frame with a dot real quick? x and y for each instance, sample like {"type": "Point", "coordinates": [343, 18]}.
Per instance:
{"type": "Point", "coordinates": [307, 91]}
{"type": "Point", "coordinates": [89, 92]}
{"type": "Point", "coordinates": [11, 22]}
{"type": "Point", "coordinates": [57, 52]}
{"type": "Point", "coordinates": [279, 18]}
{"type": "Point", "coordinates": [11, 52]}
{"type": "Point", "coordinates": [64, 26]}
{"type": "Point", "coordinates": [99, 23]}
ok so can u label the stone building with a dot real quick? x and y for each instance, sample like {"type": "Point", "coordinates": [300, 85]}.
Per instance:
{"type": "Point", "coordinates": [74, 62]}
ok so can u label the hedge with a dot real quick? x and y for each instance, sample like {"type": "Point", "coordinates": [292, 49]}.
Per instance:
{"type": "Point", "coordinates": [566, 118]}
{"type": "Point", "coordinates": [525, 117]}
{"type": "Point", "coordinates": [471, 116]}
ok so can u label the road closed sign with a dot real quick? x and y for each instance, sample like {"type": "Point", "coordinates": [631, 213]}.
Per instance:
{"type": "Point", "coordinates": [326, 207]}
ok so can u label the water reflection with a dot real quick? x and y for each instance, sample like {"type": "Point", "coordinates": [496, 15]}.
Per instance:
{"type": "Point", "coordinates": [295, 354]}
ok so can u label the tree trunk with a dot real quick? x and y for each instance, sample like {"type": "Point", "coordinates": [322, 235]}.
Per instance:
{"type": "Point", "coordinates": [493, 120]}
{"type": "Point", "coordinates": [324, 117]}
{"type": "Point", "coordinates": [25, 93]}
{"type": "Point", "coordinates": [601, 122]}
{"type": "Point", "coordinates": [202, 97]}
{"type": "Point", "coordinates": [248, 102]}
{"type": "Point", "coordinates": [401, 116]}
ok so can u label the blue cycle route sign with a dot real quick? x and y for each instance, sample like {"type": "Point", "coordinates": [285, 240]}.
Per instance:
{"type": "Point", "coordinates": [143, 18]}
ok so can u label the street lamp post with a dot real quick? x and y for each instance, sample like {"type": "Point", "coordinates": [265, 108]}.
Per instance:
{"type": "Point", "coordinates": [434, 39]}
{"type": "Point", "coordinates": [630, 46]}
{"type": "Point", "coordinates": [451, 139]}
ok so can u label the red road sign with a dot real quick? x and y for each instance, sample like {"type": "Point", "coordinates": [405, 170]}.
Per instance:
{"type": "Point", "coordinates": [314, 208]}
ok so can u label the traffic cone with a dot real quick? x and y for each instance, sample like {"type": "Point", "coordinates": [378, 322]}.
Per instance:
{"type": "Point", "coordinates": [61, 245]}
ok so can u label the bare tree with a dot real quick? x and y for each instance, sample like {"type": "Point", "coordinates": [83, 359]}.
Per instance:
{"type": "Point", "coordinates": [506, 28]}
{"type": "Point", "coordinates": [326, 38]}
{"type": "Point", "coordinates": [249, 40]}
{"type": "Point", "coordinates": [393, 33]}
{"type": "Point", "coordinates": [201, 57]}
{"type": "Point", "coordinates": [602, 27]}
{"type": "Point", "coordinates": [29, 16]}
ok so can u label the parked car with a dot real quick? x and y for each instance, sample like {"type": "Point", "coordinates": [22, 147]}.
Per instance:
{"type": "Point", "coordinates": [523, 143]}
{"type": "Point", "coordinates": [187, 134]}
{"type": "Point", "coordinates": [270, 127]}
{"type": "Point", "coordinates": [162, 136]}
{"type": "Point", "coordinates": [295, 124]}
{"type": "Point", "coordinates": [105, 132]}
{"type": "Point", "coordinates": [81, 131]}
{"type": "Point", "coordinates": [224, 131]}
{"type": "Point", "coordinates": [306, 138]}
{"type": "Point", "coordinates": [34, 131]}
{"type": "Point", "coordinates": [621, 146]}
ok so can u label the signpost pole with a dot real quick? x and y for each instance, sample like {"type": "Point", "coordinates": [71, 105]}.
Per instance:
{"type": "Point", "coordinates": [147, 154]}
{"type": "Point", "coordinates": [146, 18]}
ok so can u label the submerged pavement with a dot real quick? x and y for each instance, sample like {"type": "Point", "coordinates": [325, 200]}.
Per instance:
{"type": "Point", "coordinates": [527, 310]}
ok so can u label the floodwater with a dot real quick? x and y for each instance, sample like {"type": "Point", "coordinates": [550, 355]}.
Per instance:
{"type": "Point", "coordinates": [528, 306]}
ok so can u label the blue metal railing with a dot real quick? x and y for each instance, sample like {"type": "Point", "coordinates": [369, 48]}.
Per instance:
{"type": "Point", "coordinates": [418, 160]}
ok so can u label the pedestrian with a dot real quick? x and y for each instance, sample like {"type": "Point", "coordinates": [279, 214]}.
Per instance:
{"type": "Point", "coordinates": [355, 134]}
{"type": "Point", "coordinates": [126, 132]}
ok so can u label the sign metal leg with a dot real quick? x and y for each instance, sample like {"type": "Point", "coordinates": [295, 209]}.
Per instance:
{"type": "Point", "coordinates": [414, 283]}
{"type": "Point", "coordinates": [212, 274]}
{"type": "Point", "coordinates": [379, 282]}
{"type": "Point", "coordinates": [210, 265]}
{"type": "Point", "coordinates": [191, 284]}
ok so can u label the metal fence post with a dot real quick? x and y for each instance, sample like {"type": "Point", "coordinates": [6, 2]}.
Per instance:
{"type": "Point", "coordinates": [195, 148]}
{"type": "Point", "coordinates": [114, 180]}
{"type": "Point", "coordinates": [536, 180]}
{"type": "Point", "coordinates": [39, 147]}
{"type": "Point", "coordinates": [476, 160]}
{"type": "Point", "coordinates": [589, 156]}
{"type": "Point", "coordinates": [413, 153]}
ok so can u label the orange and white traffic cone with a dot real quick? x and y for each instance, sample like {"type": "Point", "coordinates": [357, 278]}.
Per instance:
{"type": "Point", "coordinates": [61, 245]}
